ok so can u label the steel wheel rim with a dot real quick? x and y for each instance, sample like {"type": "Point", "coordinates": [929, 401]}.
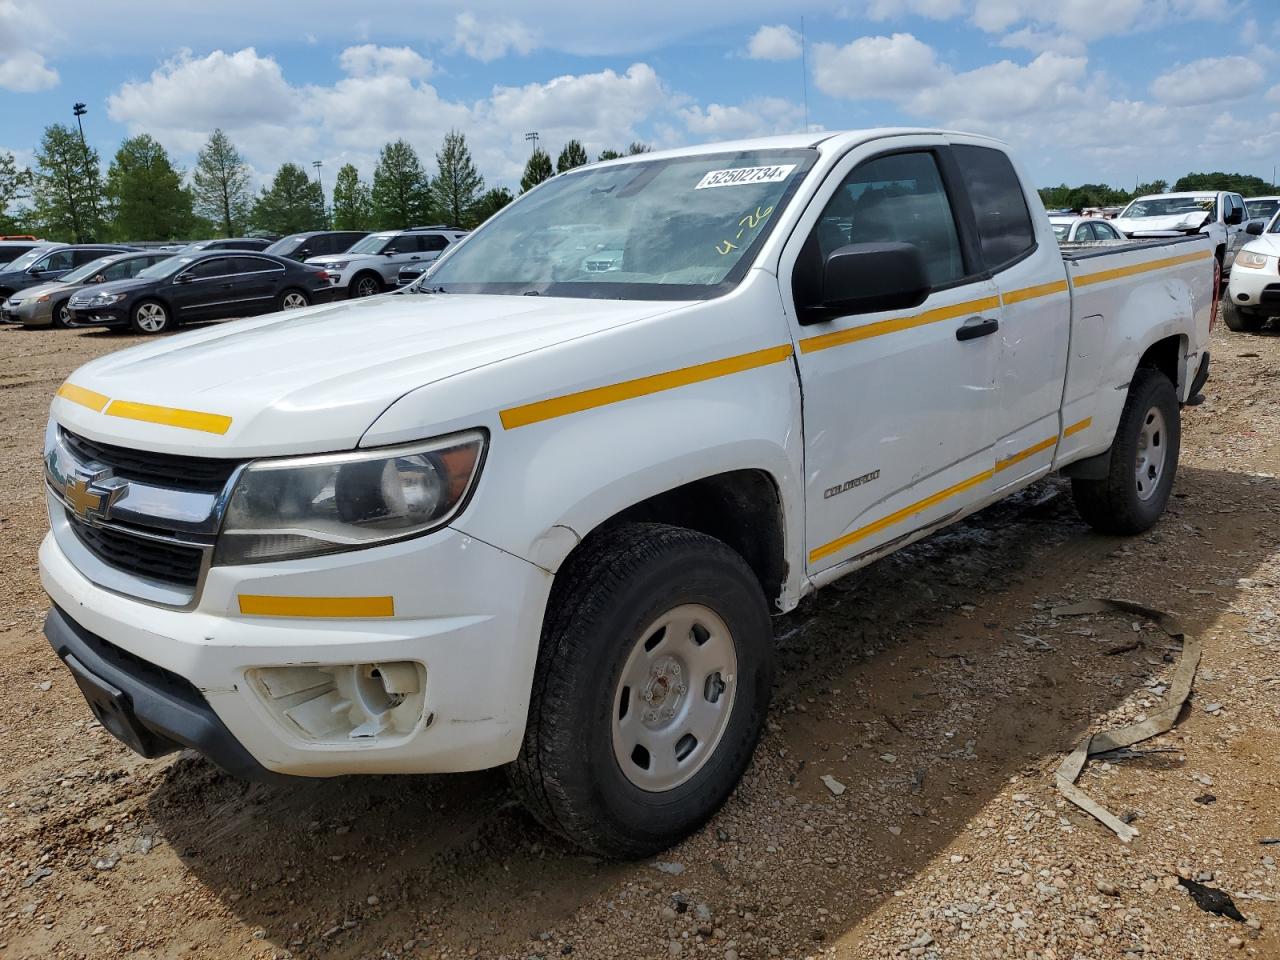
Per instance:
{"type": "Point", "coordinates": [64, 315]}
{"type": "Point", "coordinates": [151, 317]}
{"type": "Point", "coordinates": [1153, 444]}
{"type": "Point", "coordinates": [674, 697]}
{"type": "Point", "coordinates": [366, 287]}
{"type": "Point", "coordinates": [292, 301]}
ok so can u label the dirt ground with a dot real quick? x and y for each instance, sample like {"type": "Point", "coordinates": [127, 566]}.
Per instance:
{"type": "Point", "coordinates": [936, 686]}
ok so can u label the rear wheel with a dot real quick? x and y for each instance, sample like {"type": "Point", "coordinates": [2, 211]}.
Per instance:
{"type": "Point", "coordinates": [61, 315]}
{"type": "Point", "coordinates": [150, 316]}
{"type": "Point", "coordinates": [366, 285]}
{"type": "Point", "coordinates": [1239, 319]}
{"type": "Point", "coordinates": [1144, 461]}
{"type": "Point", "coordinates": [293, 300]}
{"type": "Point", "coordinates": [650, 692]}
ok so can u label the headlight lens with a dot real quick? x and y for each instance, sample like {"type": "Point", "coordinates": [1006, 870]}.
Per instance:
{"type": "Point", "coordinates": [44, 299]}
{"type": "Point", "coordinates": [1254, 261]}
{"type": "Point", "coordinates": [106, 299]}
{"type": "Point", "coordinates": [306, 506]}
{"type": "Point", "coordinates": [336, 265]}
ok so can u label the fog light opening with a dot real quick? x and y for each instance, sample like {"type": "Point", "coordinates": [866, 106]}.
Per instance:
{"type": "Point", "coordinates": [358, 701]}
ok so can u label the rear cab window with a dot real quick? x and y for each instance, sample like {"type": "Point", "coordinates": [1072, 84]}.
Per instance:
{"type": "Point", "coordinates": [1005, 231]}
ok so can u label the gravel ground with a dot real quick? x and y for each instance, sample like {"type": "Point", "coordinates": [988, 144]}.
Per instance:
{"type": "Point", "coordinates": [936, 688]}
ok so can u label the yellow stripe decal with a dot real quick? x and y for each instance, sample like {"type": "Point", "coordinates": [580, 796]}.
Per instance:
{"type": "Point", "coordinates": [1010, 460]}
{"type": "Point", "coordinates": [86, 398]}
{"type": "Point", "coordinates": [170, 416]}
{"type": "Point", "coordinates": [601, 396]}
{"type": "Point", "coordinates": [838, 338]}
{"type": "Point", "coordinates": [1104, 275]}
{"type": "Point", "coordinates": [1031, 293]}
{"type": "Point", "coordinates": [1078, 426]}
{"type": "Point", "coordinates": [334, 607]}
{"type": "Point", "coordinates": [835, 546]}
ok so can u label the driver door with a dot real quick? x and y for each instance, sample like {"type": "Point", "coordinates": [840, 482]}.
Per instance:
{"type": "Point", "coordinates": [898, 405]}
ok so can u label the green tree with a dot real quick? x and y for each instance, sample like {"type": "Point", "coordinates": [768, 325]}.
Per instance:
{"type": "Point", "coordinates": [220, 184]}
{"type": "Point", "coordinates": [292, 203]}
{"type": "Point", "coordinates": [573, 155]}
{"type": "Point", "coordinates": [457, 185]}
{"type": "Point", "coordinates": [1244, 183]}
{"type": "Point", "coordinates": [493, 200]}
{"type": "Point", "coordinates": [401, 193]}
{"type": "Point", "coordinates": [636, 147]}
{"type": "Point", "coordinates": [64, 190]}
{"type": "Point", "coordinates": [15, 185]}
{"type": "Point", "coordinates": [145, 196]}
{"type": "Point", "coordinates": [352, 203]}
{"type": "Point", "coordinates": [1155, 186]}
{"type": "Point", "coordinates": [537, 169]}
{"type": "Point", "coordinates": [608, 155]}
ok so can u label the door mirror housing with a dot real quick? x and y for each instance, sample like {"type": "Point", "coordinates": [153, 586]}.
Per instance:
{"type": "Point", "coordinates": [1255, 228]}
{"type": "Point", "coordinates": [183, 278]}
{"type": "Point", "coordinates": [1236, 216]}
{"type": "Point", "coordinates": [869, 277]}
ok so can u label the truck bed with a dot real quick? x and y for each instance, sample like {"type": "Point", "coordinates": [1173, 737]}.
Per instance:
{"type": "Point", "coordinates": [1088, 249]}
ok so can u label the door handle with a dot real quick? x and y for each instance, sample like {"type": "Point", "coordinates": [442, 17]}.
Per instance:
{"type": "Point", "coordinates": [976, 327]}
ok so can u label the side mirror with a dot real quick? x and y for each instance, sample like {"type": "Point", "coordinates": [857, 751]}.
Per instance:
{"type": "Point", "coordinates": [183, 278]}
{"type": "Point", "coordinates": [868, 277]}
{"type": "Point", "coordinates": [1235, 217]}
{"type": "Point", "coordinates": [35, 271]}
{"type": "Point", "coordinates": [1255, 228]}
{"type": "Point", "coordinates": [390, 251]}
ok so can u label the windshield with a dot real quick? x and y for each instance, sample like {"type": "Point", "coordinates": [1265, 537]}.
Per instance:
{"type": "Point", "coordinates": [1060, 230]}
{"type": "Point", "coordinates": [1261, 209]}
{"type": "Point", "coordinates": [1169, 207]}
{"type": "Point", "coordinates": [674, 229]}
{"type": "Point", "coordinates": [372, 243]}
{"type": "Point", "coordinates": [164, 268]}
{"type": "Point", "coordinates": [28, 258]}
{"type": "Point", "coordinates": [285, 245]}
{"type": "Point", "coordinates": [81, 274]}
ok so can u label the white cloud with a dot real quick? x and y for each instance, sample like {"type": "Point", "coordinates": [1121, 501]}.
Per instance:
{"type": "Point", "coordinates": [755, 118]}
{"type": "Point", "coordinates": [885, 68]}
{"type": "Point", "coordinates": [1086, 20]}
{"type": "Point", "coordinates": [604, 106]}
{"type": "Point", "coordinates": [370, 59]}
{"type": "Point", "coordinates": [1211, 80]}
{"type": "Point", "coordinates": [492, 39]}
{"type": "Point", "coordinates": [778, 42]}
{"type": "Point", "coordinates": [24, 32]}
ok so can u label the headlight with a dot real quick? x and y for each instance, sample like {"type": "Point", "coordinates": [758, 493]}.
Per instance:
{"type": "Point", "coordinates": [305, 506]}
{"type": "Point", "coordinates": [1254, 261]}
{"type": "Point", "coordinates": [336, 265]}
{"type": "Point", "coordinates": [105, 299]}
{"type": "Point", "coordinates": [44, 299]}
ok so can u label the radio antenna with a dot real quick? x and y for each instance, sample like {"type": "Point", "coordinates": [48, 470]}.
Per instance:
{"type": "Point", "coordinates": [804, 77]}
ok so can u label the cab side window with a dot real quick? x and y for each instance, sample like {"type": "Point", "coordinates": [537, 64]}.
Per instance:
{"type": "Point", "coordinates": [896, 198]}
{"type": "Point", "coordinates": [432, 243]}
{"type": "Point", "coordinates": [61, 260]}
{"type": "Point", "coordinates": [1005, 231]}
{"type": "Point", "coordinates": [214, 267]}
{"type": "Point", "coordinates": [121, 271]}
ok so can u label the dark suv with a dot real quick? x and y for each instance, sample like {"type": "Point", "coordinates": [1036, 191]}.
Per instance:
{"type": "Point", "coordinates": [45, 264]}
{"type": "Point", "coordinates": [317, 243]}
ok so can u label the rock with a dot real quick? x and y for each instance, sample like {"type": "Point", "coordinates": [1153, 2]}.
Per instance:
{"type": "Point", "coordinates": [674, 869]}
{"type": "Point", "coordinates": [36, 875]}
{"type": "Point", "coordinates": [889, 758]}
{"type": "Point", "coordinates": [731, 954]}
{"type": "Point", "coordinates": [46, 685]}
{"type": "Point", "coordinates": [1107, 889]}
{"type": "Point", "coordinates": [372, 900]}
{"type": "Point", "coordinates": [107, 863]}
{"type": "Point", "coordinates": [668, 914]}
{"type": "Point", "coordinates": [1212, 707]}
{"type": "Point", "coordinates": [675, 948]}
{"type": "Point", "coordinates": [703, 912]}
{"type": "Point", "coordinates": [896, 831]}
{"type": "Point", "coordinates": [1235, 943]}
{"type": "Point", "coordinates": [99, 930]}
{"type": "Point", "coordinates": [834, 785]}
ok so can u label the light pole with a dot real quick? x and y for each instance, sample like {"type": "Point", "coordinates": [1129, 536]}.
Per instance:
{"type": "Point", "coordinates": [79, 109]}
{"type": "Point", "coordinates": [532, 137]}
{"type": "Point", "coordinates": [324, 219]}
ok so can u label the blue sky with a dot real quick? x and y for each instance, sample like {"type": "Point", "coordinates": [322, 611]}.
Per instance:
{"type": "Point", "coordinates": [1086, 90]}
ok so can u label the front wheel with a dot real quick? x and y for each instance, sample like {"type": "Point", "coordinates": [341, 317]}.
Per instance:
{"type": "Point", "coordinates": [650, 692]}
{"type": "Point", "coordinates": [1240, 320]}
{"type": "Point", "coordinates": [61, 315]}
{"type": "Point", "coordinates": [1144, 460]}
{"type": "Point", "coordinates": [150, 316]}
{"type": "Point", "coordinates": [366, 285]}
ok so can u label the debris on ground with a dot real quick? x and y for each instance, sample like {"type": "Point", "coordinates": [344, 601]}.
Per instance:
{"type": "Point", "coordinates": [1212, 900]}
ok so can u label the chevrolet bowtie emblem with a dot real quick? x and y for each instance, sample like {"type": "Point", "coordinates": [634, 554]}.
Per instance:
{"type": "Point", "coordinates": [83, 501]}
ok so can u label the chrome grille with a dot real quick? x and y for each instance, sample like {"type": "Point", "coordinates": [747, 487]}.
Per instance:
{"type": "Point", "coordinates": [200, 474]}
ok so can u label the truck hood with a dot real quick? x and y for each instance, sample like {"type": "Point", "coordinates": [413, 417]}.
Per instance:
{"type": "Point", "coordinates": [1267, 243]}
{"type": "Point", "coordinates": [314, 380]}
{"type": "Point", "coordinates": [1175, 223]}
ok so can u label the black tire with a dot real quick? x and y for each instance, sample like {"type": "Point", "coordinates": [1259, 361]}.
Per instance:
{"type": "Point", "coordinates": [292, 292]}
{"type": "Point", "coordinates": [150, 317]}
{"type": "Point", "coordinates": [615, 585]}
{"type": "Point", "coordinates": [365, 285]}
{"type": "Point", "coordinates": [1116, 504]}
{"type": "Point", "coordinates": [60, 315]}
{"type": "Point", "coordinates": [1239, 319]}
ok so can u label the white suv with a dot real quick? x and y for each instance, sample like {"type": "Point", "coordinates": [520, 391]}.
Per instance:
{"type": "Point", "coordinates": [371, 266]}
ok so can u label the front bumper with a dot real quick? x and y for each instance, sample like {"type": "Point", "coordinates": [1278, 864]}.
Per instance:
{"type": "Point", "coordinates": [468, 613]}
{"type": "Point", "coordinates": [115, 315]}
{"type": "Point", "coordinates": [1255, 288]}
{"type": "Point", "coordinates": [28, 313]}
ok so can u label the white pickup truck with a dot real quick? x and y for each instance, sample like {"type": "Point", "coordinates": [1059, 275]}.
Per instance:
{"type": "Point", "coordinates": [535, 513]}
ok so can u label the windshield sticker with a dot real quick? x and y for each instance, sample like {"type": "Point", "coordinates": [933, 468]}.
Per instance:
{"type": "Point", "coordinates": [740, 176]}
